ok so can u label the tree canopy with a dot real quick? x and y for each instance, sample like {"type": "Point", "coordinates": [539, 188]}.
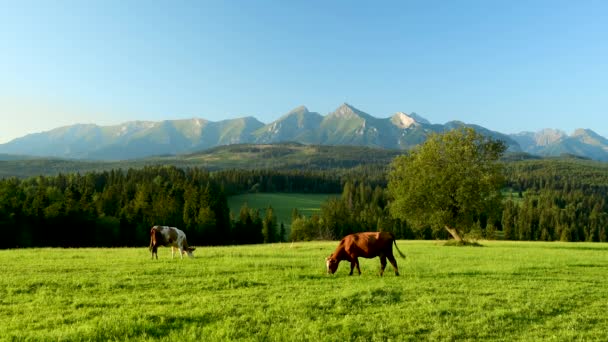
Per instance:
{"type": "Point", "coordinates": [450, 182]}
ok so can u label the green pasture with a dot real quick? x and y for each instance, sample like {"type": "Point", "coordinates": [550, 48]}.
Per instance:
{"type": "Point", "coordinates": [282, 204]}
{"type": "Point", "coordinates": [504, 291]}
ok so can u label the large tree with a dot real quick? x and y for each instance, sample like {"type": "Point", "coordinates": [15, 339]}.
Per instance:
{"type": "Point", "coordinates": [449, 182]}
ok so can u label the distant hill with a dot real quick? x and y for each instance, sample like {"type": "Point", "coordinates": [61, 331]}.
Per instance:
{"type": "Point", "coordinates": [280, 156]}
{"type": "Point", "coordinates": [346, 125]}
{"type": "Point", "coordinates": [4, 157]}
{"type": "Point", "coordinates": [285, 156]}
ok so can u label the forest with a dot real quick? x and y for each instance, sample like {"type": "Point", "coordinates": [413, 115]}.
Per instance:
{"type": "Point", "coordinates": [549, 199]}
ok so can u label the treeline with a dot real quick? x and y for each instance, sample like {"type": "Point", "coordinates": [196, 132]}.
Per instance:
{"type": "Point", "coordinates": [559, 199]}
{"type": "Point", "coordinates": [549, 199]}
{"type": "Point", "coordinates": [118, 207]}
{"type": "Point", "coordinates": [359, 208]}
{"type": "Point", "coordinates": [549, 215]}
{"type": "Point", "coordinates": [297, 181]}
{"type": "Point", "coordinates": [563, 174]}
{"type": "Point", "coordinates": [113, 208]}
{"type": "Point", "coordinates": [294, 181]}
{"type": "Point", "coordinates": [556, 199]}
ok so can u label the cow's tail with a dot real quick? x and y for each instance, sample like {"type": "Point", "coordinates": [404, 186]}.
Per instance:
{"type": "Point", "coordinates": [401, 254]}
{"type": "Point", "coordinates": [152, 238]}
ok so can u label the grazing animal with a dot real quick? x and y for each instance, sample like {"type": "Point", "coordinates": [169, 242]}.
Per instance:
{"type": "Point", "coordinates": [169, 236]}
{"type": "Point", "coordinates": [365, 245]}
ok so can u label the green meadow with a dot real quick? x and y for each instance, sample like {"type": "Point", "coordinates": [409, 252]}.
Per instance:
{"type": "Point", "coordinates": [282, 204]}
{"type": "Point", "coordinates": [504, 291]}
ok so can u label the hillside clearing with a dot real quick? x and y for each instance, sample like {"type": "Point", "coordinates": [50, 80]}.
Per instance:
{"type": "Point", "coordinates": [282, 204]}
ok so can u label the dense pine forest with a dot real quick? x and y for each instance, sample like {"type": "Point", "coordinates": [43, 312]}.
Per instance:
{"type": "Point", "coordinates": [118, 207]}
{"type": "Point", "coordinates": [545, 199]}
{"type": "Point", "coordinates": [556, 199]}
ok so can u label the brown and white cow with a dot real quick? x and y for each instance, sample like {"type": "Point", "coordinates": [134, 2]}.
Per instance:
{"type": "Point", "coordinates": [169, 236]}
{"type": "Point", "coordinates": [364, 245]}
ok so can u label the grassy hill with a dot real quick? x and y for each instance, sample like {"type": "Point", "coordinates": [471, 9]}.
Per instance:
{"type": "Point", "coordinates": [290, 156]}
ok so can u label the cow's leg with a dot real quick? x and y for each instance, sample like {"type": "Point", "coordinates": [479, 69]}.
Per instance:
{"type": "Point", "coordinates": [357, 263]}
{"type": "Point", "coordinates": [382, 264]}
{"type": "Point", "coordinates": [352, 267]}
{"type": "Point", "coordinates": [181, 253]}
{"type": "Point", "coordinates": [391, 258]}
{"type": "Point", "coordinates": [172, 252]}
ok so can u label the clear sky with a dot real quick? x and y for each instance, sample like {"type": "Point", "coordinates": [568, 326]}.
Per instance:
{"type": "Point", "coordinates": [509, 66]}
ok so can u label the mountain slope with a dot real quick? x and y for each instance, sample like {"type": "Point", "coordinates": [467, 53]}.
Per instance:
{"type": "Point", "coordinates": [535, 141]}
{"type": "Point", "coordinates": [134, 139]}
{"type": "Point", "coordinates": [297, 125]}
{"type": "Point", "coordinates": [348, 125]}
{"type": "Point", "coordinates": [512, 144]}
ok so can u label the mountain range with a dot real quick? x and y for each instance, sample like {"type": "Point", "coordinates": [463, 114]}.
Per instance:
{"type": "Point", "coordinates": [347, 125]}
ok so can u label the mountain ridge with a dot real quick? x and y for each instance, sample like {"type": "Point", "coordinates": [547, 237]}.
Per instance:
{"type": "Point", "coordinates": [346, 125]}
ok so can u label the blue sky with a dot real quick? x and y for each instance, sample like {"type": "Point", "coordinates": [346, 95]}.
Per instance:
{"type": "Point", "coordinates": [507, 65]}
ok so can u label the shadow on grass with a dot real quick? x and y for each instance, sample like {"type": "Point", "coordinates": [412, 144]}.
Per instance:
{"type": "Point", "coordinates": [473, 273]}
{"type": "Point", "coordinates": [603, 248]}
{"type": "Point", "coordinates": [462, 243]}
{"type": "Point", "coordinates": [588, 265]}
{"type": "Point", "coordinates": [312, 276]}
{"type": "Point", "coordinates": [232, 283]}
{"type": "Point", "coordinates": [152, 327]}
{"type": "Point", "coordinates": [360, 299]}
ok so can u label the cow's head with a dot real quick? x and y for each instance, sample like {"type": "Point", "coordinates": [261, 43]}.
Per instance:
{"type": "Point", "coordinates": [189, 251]}
{"type": "Point", "coordinates": [332, 265]}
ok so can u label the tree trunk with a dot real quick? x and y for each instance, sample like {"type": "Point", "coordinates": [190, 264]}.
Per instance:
{"type": "Point", "coordinates": [454, 233]}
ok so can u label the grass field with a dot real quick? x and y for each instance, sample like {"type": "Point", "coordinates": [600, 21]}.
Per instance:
{"type": "Point", "coordinates": [503, 291]}
{"type": "Point", "coordinates": [282, 204]}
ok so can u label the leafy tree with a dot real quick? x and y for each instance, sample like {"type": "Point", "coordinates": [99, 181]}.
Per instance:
{"type": "Point", "coordinates": [300, 230]}
{"type": "Point", "coordinates": [307, 229]}
{"type": "Point", "coordinates": [490, 231]}
{"type": "Point", "coordinates": [448, 182]}
{"type": "Point", "coordinates": [475, 232]}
